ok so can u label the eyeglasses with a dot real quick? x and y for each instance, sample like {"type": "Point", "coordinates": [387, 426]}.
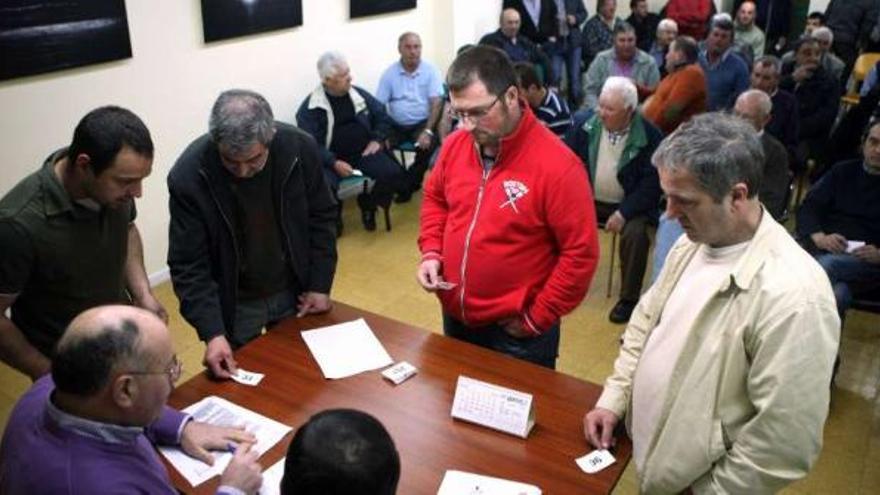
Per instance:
{"type": "Point", "coordinates": [173, 370]}
{"type": "Point", "coordinates": [475, 114]}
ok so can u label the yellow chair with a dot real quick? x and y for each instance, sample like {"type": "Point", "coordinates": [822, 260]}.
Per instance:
{"type": "Point", "coordinates": [863, 65]}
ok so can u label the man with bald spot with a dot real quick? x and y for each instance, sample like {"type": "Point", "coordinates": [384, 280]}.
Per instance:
{"type": "Point", "coordinates": [92, 424]}
{"type": "Point", "coordinates": [755, 106]}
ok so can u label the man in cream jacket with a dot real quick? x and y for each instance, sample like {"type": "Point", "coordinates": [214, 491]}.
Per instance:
{"type": "Point", "coordinates": [725, 365]}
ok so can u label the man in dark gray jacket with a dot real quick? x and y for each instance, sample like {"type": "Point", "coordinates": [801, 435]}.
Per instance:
{"type": "Point", "coordinates": [252, 235]}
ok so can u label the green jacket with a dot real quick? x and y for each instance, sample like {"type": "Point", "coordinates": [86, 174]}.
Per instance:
{"type": "Point", "coordinates": [635, 173]}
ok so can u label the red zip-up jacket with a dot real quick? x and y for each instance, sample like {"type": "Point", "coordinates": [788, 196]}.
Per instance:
{"type": "Point", "coordinates": [519, 240]}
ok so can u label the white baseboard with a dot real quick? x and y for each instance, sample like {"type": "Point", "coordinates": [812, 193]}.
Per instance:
{"type": "Point", "coordinates": [160, 277]}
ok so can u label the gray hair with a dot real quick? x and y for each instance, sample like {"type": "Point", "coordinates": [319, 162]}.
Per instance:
{"type": "Point", "coordinates": [722, 21]}
{"type": "Point", "coordinates": [667, 25]}
{"type": "Point", "coordinates": [329, 63]}
{"type": "Point", "coordinates": [623, 27]}
{"type": "Point", "coordinates": [625, 88]}
{"type": "Point", "coordinates": [823, 33]}
{"type": "Point", "coordinates": [719, 149]}
{"type": "Point", "coordinates": [770, 61]}
{"type": "Point", "coordinates": [762, 99]}
{"type": "Point", "coordinates": [241, 118]}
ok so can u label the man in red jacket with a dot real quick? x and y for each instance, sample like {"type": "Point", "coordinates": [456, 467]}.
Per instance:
{"type": "Point", "coordinates": [508, 230]}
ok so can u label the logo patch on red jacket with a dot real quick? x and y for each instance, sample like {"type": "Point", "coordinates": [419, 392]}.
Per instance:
{"type": "Point", "coordinates": [514, 190]}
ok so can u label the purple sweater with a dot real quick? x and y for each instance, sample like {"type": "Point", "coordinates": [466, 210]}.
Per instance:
{"type": "Point", "coordinates": [39, 454]}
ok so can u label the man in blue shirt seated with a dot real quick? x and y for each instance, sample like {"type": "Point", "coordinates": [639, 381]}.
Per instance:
{"type": "Point", "coordinates": [90, 426]}
{"type": "Point", "coordinates": [550, 109]}
{"type": "Point", "coordinates": [410, 90]}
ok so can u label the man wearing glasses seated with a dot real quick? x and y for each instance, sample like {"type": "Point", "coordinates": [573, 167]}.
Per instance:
{"type": "Point", "coordinates": [508, 231]}
{"type": "Point", "coordinates": [90, 425]}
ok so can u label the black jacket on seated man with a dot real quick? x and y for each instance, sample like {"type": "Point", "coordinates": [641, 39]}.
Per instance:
{"type": "Point", "coordinates": [203, 255]}
{"type": "Point", "coordinates": [844, 201]}
{"type": "Point", "coordinates": [818, 99]}
{"type": "Point", "coordinates": [784, 122]}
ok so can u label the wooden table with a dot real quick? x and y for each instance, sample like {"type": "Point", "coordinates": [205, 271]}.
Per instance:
{"type": "Point", "coordinates": [417, 412]}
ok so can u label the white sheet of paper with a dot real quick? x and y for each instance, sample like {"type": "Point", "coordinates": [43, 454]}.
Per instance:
{"type": "Point", "coordinates": [462, 483]}
{"type": "Point", "coordinates": [217, 411]}
{"type": "Point", "coordinates": [346, 349]}
{"type": "Point", "coordinates": [853, 245]}
{"type": "Point", "coordinates": [595, 461]}
{"type": "Point", "coordinates": [248, 377]}
{"type": "Point", "coordinates": [272, 479]}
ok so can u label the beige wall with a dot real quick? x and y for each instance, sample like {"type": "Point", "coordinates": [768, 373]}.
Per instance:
{"type": "Point", "coordinates": [174, 77]}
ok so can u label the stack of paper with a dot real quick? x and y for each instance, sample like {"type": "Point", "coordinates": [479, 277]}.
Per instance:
{"type": "Point", "coordinates": [462, 483]}
{"type": "Point", "coordinates": [221, 412]}
{"type": "Point", "coordinates": [346, 349]}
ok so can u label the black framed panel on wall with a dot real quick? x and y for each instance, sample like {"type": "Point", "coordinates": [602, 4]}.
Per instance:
{"type": "Point", "coordinates": [362, 8]}
{"type": "Point", "coordinates": [39, 36]}
{"type": "Point", "coordinates": [224, 19]}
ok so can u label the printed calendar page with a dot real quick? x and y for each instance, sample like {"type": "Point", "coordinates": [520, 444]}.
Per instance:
{"type": "Point", "coordinates": [493, 406]}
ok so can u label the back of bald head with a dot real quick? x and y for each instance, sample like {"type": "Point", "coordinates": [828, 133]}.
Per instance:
{"type": "Point", "coordinates": [755, 98]}
{"type": "Point", "coordinates": [508, 14]}
{"type": "Point", "coordinates": [95, 344]}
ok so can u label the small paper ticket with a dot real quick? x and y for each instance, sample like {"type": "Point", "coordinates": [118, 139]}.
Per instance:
{"type": "Point", "coordinates": [595, 461]}
{"type": "Point", "coordinates": [399, 372]}
{"type": "Point", "coordinates": [248, 377]}
{"type": "Point", "coordinates": [853, 245]}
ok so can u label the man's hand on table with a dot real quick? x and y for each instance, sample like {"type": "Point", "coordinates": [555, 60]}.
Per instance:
{"type": "Point", "coordinates": [198, 438]}
{"type": "Point", "coordinates": [243, 472]}
{"type": "Point", "coordinates": [218, 358]}
{"type": "Point", "coordinates": [599, 427]}
{"type": "Point", "coordinates": [312, 303]}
